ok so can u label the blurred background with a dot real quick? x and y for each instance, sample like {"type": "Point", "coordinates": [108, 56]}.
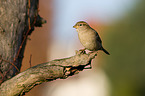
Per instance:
{"type": "Point", "coordinates": [121, 26]}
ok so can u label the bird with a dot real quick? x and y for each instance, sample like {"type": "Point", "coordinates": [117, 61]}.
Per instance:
{"type": "Point", "coordinates": [88, 37]}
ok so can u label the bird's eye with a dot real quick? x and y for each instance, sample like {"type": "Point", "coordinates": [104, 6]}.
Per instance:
{"type": "Point", "coordinates": [80, 24]}
{"type": "Point", "coordinates": [83, 24]}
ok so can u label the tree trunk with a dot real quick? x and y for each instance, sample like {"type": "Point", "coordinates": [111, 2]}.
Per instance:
{"type": "Point", "coordinates": [17, 18]}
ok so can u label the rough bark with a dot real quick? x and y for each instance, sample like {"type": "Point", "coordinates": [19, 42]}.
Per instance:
{"type": "Point", "coordinates": [60, 68]}
{"type": "Point", "coordinates": [16, 18]}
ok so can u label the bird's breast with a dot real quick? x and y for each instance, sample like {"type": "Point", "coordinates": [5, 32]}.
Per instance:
{"type": "Point", "coordinates": [88, 40]}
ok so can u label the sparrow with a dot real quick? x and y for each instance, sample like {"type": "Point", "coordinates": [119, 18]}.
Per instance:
{"type": "Point", "coordinates": [88, 37]}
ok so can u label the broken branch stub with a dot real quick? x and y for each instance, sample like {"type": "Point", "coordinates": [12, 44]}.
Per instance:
{"type": "Point", "coordinates": [74, 64]}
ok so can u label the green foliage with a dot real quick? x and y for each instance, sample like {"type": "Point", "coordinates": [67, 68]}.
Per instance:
{"type": "Point", "coordinates": [126, 64]}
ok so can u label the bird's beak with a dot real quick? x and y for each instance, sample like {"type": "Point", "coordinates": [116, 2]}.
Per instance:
{"type": "Point", "coordinates": [75, 26]}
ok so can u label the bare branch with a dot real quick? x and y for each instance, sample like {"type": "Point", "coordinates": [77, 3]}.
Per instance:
{"type": "Point", "coordinates": [45, 72]}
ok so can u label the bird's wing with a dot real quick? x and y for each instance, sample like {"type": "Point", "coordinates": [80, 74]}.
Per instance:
{"type": "Point", "coordinates": [98, 38]}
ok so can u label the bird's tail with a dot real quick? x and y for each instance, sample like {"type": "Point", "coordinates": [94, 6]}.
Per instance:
{"type": "Point", "coordinates": [105, 51]}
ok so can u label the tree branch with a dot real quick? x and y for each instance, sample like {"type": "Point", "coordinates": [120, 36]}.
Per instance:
{"type": "Point", "coordinates": [45, 72]}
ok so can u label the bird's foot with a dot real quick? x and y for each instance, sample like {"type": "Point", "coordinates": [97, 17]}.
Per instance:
{"type": "Point", "coordinates": [92, 52]}
{"type": "Point", "coordinates": [81, 51]}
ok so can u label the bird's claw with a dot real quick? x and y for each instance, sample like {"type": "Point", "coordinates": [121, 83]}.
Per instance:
{"type": "Point", "coordinates": [81, 51]}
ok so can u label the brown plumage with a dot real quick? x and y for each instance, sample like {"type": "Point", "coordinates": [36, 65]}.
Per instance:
{"type": "Point", "coordinates": [88, 37]}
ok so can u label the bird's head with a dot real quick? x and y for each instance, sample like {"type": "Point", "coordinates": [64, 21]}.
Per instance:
{"type": "Point", "coordinates": [81, 25]}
